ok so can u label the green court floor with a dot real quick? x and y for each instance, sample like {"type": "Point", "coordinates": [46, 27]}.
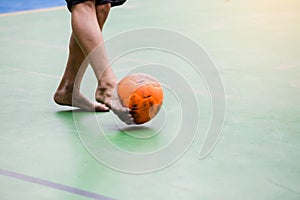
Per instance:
{"type": "Point", "coordinates": [256, 48]}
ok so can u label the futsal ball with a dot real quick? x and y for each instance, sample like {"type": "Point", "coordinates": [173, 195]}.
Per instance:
{"type": "Point", "coordinates": [142, 94]}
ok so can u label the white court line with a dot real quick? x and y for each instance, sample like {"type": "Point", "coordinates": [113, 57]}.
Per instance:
{"type": "Point", "coordinates": [33, 11]}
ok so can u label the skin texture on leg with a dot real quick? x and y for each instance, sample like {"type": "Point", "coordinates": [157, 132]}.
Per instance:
{"type": "Point", "coordinates": [68, 91]}
{"type": "Point", "coordinates": [102, 12]}
{"type": "Point", "coordinates": [107, 83]}
{"type": "Point", "coordinates": [87, 42]}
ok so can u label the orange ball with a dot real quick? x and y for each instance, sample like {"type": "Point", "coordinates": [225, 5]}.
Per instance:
{"type": "Point", "coordinates": [142, 94]}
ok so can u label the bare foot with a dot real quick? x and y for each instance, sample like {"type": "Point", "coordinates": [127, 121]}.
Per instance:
{"type": "Point", "coordinates": [105, 94]}
{"type": "Point", "coordinates": [65, 98]}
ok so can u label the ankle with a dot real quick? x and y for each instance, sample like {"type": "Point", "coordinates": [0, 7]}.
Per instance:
{"type": "Point", "coordinates": [68, 87]}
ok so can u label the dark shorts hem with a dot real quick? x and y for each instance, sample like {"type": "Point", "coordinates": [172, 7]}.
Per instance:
{"type": "Point", "coordinates": [113, 3]}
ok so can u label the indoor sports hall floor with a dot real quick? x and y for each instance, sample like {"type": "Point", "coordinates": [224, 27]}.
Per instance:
{"type": "Point", "coordinates": [256, 47]}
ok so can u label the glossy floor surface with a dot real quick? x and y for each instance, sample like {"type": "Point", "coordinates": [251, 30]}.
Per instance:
{"type": "Point", "coordinates": [46, 149]}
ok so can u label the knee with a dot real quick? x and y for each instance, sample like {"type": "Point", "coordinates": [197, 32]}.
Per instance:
{"type": "Point", "coordinates": [86, 6]}
{"type": "Point", "coordinates": [103, 9]}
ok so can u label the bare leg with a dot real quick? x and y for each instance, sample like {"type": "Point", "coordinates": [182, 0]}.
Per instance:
{"type": "Point", "coordinates": [107, 83]}
{"type": "Point", "coordinates": [76, 66]}
{"type": "Point", "coordinates": [68, 91]}
{"type": "Point", "coordinates": [87, 22]}
{"type": "Point", "coordinates": [102, 12]}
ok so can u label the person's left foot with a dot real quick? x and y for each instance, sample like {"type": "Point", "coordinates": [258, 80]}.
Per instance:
{"type": "Point", "coordinates": [68, 98]}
